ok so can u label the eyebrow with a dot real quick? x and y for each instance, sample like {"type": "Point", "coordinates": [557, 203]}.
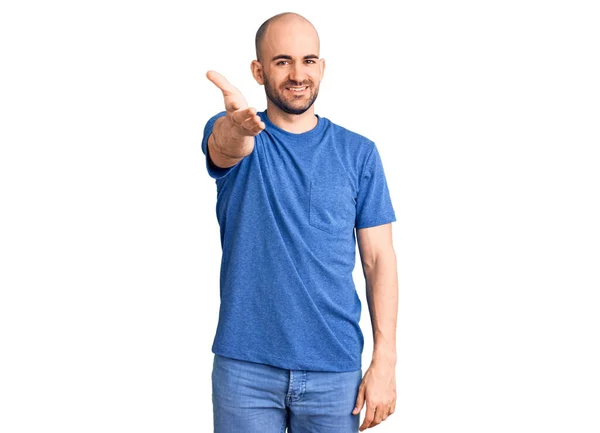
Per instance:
{"type": "Point", "coordinates": [288, 57]}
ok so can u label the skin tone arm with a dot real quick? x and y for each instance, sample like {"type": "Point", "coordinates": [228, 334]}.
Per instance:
{"type": "Point", "coordinates": [232, 137]}
{"type": "Point", "coordinates": [379, 268]}
{"type": "Point", "coordinates": [378, 387]}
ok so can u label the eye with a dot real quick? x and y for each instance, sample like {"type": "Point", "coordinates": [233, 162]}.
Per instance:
{"type": "Point", "coordinates": [285, 61]}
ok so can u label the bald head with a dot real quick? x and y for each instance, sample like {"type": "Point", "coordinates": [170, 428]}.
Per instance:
{"type": "Point", "coordinates": [288, 63]}
{"type": "Point", "coordinates": [288, 24]}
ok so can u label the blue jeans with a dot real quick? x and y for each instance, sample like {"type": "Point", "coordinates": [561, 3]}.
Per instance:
{"type": "Point", "coordinates": [257, 398]}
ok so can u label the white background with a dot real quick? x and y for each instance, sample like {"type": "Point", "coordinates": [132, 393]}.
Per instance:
{"type": "Point", "coordinates": [486, 115]}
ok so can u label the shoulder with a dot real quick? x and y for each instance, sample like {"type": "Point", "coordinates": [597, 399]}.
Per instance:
{"type": "Point", "coordinates": [351, 139]}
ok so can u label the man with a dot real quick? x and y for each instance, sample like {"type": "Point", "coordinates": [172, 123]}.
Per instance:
{"type": "Point", "coordinates": [291, 188]}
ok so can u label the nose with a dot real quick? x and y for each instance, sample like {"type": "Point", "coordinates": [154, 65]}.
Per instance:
{"type": "Point", "coordinates": [297, 73]}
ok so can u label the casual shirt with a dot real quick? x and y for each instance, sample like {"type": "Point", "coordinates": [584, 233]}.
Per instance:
{"type": "Point", "coordinates": [287, 214]}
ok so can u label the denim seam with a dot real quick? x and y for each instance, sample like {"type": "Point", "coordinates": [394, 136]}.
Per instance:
{"type": "Point", "coordinates": [290, 388]}
{"type": "Point", "coordinates": [284, 424]}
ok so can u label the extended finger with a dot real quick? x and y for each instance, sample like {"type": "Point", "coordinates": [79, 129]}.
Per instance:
{"type": "Point", "coordinates": [232, 104]}
{"type": "Point", "coordinates": [240, 116]}
{"type": "Point", "coordinates": [221, 82]}
{"type": "Point", "coordinates": [252, 123]}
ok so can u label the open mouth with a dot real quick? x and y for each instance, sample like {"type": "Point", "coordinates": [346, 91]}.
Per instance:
{"type": "Point", "coordinates": [297, 89]}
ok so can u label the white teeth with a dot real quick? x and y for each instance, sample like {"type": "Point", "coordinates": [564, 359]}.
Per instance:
{"type": "Point", "coordinates": [297, 89]}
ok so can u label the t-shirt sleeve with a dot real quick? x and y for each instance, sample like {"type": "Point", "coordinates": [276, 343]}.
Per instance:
{"type": "Point", "coordinates": [373, 202]}
{"type": "Point", "coordinates": [214, 171]}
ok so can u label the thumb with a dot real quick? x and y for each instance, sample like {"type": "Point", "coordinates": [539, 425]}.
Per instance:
{"type": "Point", "coordinates": [360, 401]}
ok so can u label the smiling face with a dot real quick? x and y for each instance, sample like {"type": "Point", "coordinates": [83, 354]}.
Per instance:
{"type": "Point", "coordinates": [289, 64]}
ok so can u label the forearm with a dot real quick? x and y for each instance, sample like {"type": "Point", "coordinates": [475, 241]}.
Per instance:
{"type": "Point", "coordinates": [382, 298]}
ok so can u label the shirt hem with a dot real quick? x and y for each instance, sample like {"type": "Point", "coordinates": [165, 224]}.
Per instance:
{"type": "Point", "coordinates": [284, 363]}
{"type": "Point", "coordinates": [374, 223]}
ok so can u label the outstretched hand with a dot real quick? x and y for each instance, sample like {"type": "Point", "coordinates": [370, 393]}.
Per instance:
{"type": "Point", "coordinates": [243, 119]}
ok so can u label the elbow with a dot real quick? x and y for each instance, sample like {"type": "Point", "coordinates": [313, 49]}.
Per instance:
{"type": "Point", "coordinates": [383, 259]}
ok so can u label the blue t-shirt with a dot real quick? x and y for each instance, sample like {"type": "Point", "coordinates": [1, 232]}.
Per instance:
{"type": "Point", "coordinates": [287, 214]}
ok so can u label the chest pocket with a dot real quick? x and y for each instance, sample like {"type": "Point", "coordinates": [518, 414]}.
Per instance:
{"type": "Point", "coordinates": [332, 207]}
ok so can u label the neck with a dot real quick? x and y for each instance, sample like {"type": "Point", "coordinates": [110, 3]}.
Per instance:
{"type": "Point", "coordinates": [295, 123]}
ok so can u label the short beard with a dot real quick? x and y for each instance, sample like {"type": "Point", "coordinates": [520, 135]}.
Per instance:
{"type": "Point", "coordinates": [275, 98]}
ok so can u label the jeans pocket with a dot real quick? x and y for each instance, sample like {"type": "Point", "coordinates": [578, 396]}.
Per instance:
{"type": "Point", "coordinates": [332, 207]}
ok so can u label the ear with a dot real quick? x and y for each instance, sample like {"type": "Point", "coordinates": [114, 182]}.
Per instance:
{"type": "Point", "coordinates": [322, 68]}
{"type": "Point", "coordinates": [257, 72]}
